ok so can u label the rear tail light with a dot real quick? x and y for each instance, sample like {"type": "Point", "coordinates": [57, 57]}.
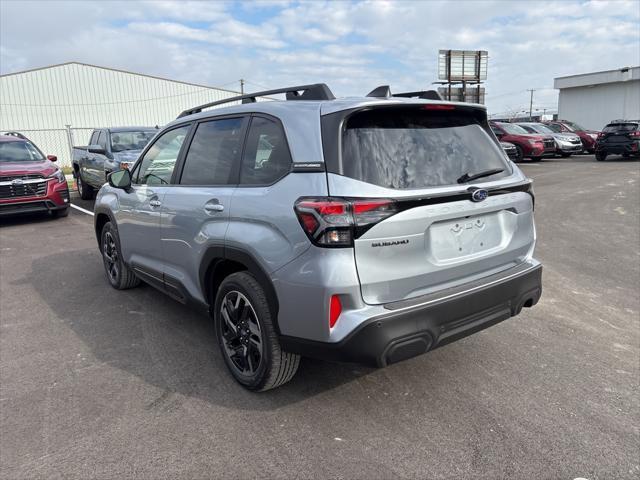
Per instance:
{"type": "Point", "coordinates": [600, 134]}
{"type": "Point", "coordinates": [337, 222]}
{"type": "Point", "coordinates": [635, 134]}
{"type": "Point", "coordinates": [335, 309]}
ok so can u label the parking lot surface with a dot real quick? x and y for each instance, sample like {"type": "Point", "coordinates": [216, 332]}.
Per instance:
{"type": "Point", "coordinates": [108, 384]}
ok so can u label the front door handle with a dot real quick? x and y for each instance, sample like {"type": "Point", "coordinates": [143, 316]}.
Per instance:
{"type": "Point", "coordinates": [214, 207]}
{"type": "Point", "coordinates": [155, 203]}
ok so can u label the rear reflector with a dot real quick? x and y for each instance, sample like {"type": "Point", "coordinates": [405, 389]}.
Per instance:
{"type": "Point", "coordinates": [335, 309]}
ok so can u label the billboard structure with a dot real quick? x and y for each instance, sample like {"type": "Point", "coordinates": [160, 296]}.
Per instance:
{"type": "Point", "coordinates": [461, 73]}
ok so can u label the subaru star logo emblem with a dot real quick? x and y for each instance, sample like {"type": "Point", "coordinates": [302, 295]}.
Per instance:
{"type": "Point", "coordinates": [479, 195]}
{"type": "Point", "coordinates": [17, 181]}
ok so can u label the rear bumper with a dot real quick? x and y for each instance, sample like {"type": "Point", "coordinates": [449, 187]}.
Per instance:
{"type": "Point", "coordinates": [619, 148]}
{"type": "Point", "coordinates": [408, 329]}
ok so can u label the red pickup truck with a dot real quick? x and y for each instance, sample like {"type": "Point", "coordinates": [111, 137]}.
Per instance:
{"type": "Point", "coordinates": [30, 181]}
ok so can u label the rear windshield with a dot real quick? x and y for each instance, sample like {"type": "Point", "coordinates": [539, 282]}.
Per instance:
{"type": "Point", "coordinates": [620, 127]}
{"type": "Point", "coordinates": [411, 148]}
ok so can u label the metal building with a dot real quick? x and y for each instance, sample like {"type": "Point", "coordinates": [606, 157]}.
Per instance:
{"type": "Point", "coordinates": [59, 106]}
{"type": "Point", "coordinates": [594, 99]}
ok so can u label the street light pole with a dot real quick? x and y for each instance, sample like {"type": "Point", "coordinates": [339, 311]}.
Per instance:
{"type": "Point", "coordinates": [531, 102]}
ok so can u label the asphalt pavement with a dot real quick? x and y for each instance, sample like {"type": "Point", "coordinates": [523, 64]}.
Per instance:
{"type": "Point", "coordinates": [98, 383]}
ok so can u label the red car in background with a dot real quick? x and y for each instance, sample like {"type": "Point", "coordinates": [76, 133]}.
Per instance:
{"type": "Point", "coordinates": [29, 181]}
{"type": "Point", "coordinates": [533, 146]}
{"type": "Point", "coordinates": [588, 137]}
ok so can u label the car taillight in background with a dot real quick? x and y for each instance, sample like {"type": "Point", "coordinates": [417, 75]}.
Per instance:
{"type": "Point", "coordinates": [635, 134]}
{"type": "Point", "coordinates": [336, 222]}
{"type": "Point", "coordinates": [600, 135]}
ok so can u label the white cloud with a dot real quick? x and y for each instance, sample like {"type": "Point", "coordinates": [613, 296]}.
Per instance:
{"type": "Point", "coordinates": [352, 46]}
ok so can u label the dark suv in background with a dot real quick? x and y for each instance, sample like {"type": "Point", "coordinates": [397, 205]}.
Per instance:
{"type": "Point", "coordinates": [588, 137]}
{"type": "Point", "coordinates": [621, 137]}
{"type": "Point", "coordinates": [533, 146]}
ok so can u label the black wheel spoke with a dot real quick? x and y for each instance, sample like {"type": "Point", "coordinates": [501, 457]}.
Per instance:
{"type": "Point", "coordinates": [241, 333]}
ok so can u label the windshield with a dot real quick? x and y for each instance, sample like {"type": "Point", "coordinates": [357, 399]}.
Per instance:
{"type": "Point", "coordinates": [19, 152]}
{"type": "Point", "coordinates": [513, 129]}
{"type": "Point", "coordinates": [122, 141]}
{"type": "Point", "coordinates": [554, 127]}
{"type": "Point", "coordinates": [574, 126]}
{"type": "Point", "coordinates": [536, 128]}
{"type": "Point", "coordinates": [408, 148]}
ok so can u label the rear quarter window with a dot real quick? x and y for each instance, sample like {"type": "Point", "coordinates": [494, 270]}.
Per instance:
{"type": "Point", "coordinates": [412, 148]}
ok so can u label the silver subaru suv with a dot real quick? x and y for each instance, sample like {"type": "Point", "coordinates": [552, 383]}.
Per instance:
{"type": "Point", "coordinates": [369, 229]}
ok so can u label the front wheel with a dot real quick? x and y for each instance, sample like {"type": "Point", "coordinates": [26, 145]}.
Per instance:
{"type": "Point", "coordinates": [519, 154]}
{"type": "Point", "coordinates": [64, 212]}
{"type": "Point", "coordinates": [120, 276]}
{"type": "Point", "coordinates": [536, 159]}
{"type": "Point", "coordinates": [565, 155]}
{"type": "Point", "coordinates": [247, 336]}
{"type": "Point", "coordinates": [601, 156]}
{"type": "Point", "coordinates": [85, 190]}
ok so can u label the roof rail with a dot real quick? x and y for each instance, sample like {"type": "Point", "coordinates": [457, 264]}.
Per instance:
{"type": "Point", "coordinates": [316, 91]}
{"type": "Point", "coordinates": [14, 134]}
{"type": "Point", "coordinates": [383, 91]}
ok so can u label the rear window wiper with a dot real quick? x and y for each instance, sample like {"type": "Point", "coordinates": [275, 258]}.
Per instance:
{"type": "Point", "coordinates": [486, 173]}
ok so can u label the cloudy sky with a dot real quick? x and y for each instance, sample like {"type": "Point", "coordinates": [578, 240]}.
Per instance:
{"type": "Point", "coordinates": [352, 46]}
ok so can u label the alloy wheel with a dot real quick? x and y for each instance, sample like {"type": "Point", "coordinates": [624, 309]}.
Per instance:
{"type": "Point", "coordinates": [111, 259]}
{"type": "Point", "coordinates": [241, 333]}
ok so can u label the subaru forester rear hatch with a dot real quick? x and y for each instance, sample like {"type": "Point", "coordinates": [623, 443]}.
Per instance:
{"type": "Point", "coordinates": [410, 178]}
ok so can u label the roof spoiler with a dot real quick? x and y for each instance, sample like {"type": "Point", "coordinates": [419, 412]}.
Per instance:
{"type": "Point", "coordinates": [384, 91]}
{"type": "Point", "coordinates": [316, 91]}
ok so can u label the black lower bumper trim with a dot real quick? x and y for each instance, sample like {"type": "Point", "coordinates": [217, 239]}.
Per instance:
{"type": "Point", "coordinates": [403, 334]}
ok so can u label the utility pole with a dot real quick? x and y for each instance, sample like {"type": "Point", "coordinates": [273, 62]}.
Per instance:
{"type": "Point", "coordinates": [241, 86]}
{"type": "Point", "coordinates": [531, 102]}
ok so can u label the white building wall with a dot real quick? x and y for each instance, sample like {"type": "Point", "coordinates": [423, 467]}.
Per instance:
{"type": "Point", "coordinates": [595, 106]}
{"type": "Point", "coordinates": [42, 102]}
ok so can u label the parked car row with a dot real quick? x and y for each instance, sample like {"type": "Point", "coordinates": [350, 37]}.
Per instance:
{"type": "Point", "coordinates": [535, 140]}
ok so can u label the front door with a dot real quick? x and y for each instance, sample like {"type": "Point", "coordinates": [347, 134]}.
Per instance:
{"type": "Point", "coordinates": [139, 222]}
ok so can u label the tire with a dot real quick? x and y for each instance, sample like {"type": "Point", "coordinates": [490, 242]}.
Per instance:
{"type": "Point", "coordinates": [601, 156]}
{"type": "Point", "coordinates": [85, 190]}
{"type": "Point", "coordinates": [247, 337]}
{"type": "Point", "coordinates": [120, 276]}
{"type": "Point", "coordinates": [60, 213]}
{"type": "Point", "coordinates": [519, 154]}
{"type": "Point", "coordinates": [565, 155]}
{"type": "Point", "coordinates": [536, 159]}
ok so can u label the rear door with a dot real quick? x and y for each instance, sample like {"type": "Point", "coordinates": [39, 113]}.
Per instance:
{"type": "Point", "coordinates": [439, 237]}
{"type": "Point", "coordinates": [195, 211]}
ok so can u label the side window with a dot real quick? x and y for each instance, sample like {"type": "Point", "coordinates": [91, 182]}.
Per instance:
{"type": "Point", "coordinates": [266, 154]}
{"type": "Point", "coordinates": [102, 139]}
{"type": "Point", "coordinates": [213, 151]}
{"type": "Point", "coordinates": [158, 163]}
{"type": "Point", "coordinates": [496, 130]}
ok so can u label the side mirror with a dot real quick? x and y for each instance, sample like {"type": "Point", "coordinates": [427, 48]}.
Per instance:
{"type": "Point", "coordinates": [95, 149]}
{"type": "Point", "coordinates": [52, 158]}
{"type": "Point", "coordinates": [120, 179]}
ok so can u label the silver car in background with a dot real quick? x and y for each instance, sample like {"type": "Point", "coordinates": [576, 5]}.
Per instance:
{"type": "Point", "coordinates": [567, 143]}
{"type": "Point", "coordinates": [369, 229]}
